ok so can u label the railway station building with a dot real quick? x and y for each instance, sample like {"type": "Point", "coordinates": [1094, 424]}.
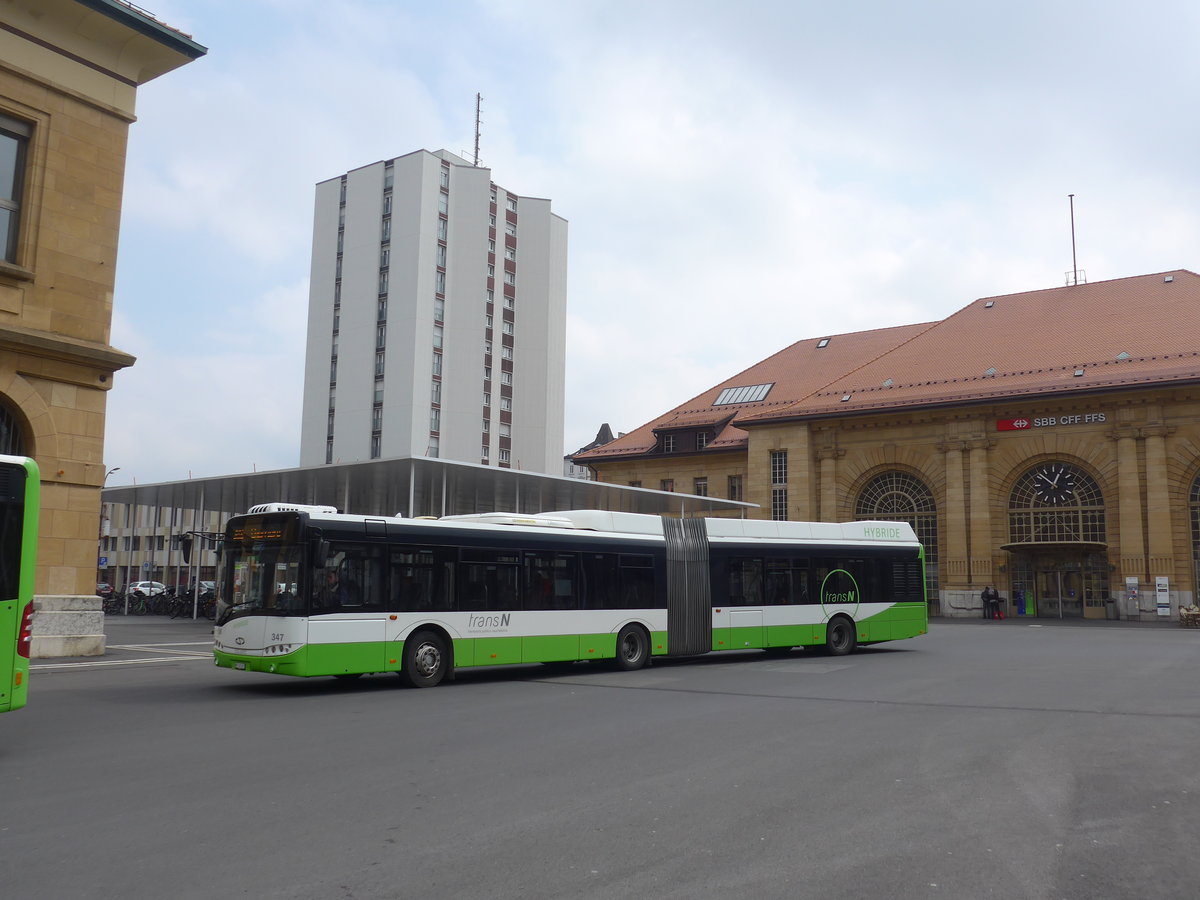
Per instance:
{"type": "Point", "coordinates": [1046, 443]}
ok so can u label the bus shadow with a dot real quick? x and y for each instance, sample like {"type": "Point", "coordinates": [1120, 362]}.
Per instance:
{"type": "Point", "coordinates": [274, 686]}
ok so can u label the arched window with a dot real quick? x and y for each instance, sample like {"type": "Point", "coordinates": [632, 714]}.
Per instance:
{"type": "Point", "coordinates": [12, 439]}
{"type": "Point", "coordinates": [899, 497]}
{"type": "Point", "coordinates": [1055, 502]}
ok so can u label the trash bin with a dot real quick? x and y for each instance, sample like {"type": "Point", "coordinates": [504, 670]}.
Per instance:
{"type": "Point", "coordinates": [1111, 611]}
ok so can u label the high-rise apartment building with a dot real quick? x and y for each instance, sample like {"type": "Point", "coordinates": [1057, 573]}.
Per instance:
{"type": "Point", "coordinates": [436, 320]}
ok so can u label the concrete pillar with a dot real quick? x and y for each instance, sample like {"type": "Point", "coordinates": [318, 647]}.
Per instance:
{"type": "Point", "coordinates": [828, 457]}
{"type": "Point", "coordinates": [1158, 507]}
{"type": "Point", "coordinates": [981, 514]}
{"type": "Point", "coordinates": [954, 566]}
{"type": "Point", "coordinates": [1129, 505]}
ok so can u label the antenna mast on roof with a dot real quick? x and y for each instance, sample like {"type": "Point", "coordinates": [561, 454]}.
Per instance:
{"type": "Point", "coordinates": [478, 101]}
{"type": "Point", "coordinates": [1075, 276]}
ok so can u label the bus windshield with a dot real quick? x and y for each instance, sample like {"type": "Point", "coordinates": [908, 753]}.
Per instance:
{"type": "Point", "coordinates": [261, 578]}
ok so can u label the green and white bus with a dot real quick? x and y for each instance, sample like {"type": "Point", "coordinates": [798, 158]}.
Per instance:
{"type": "Point", "coordinates": [307, 591]}
{"type": "Point", "coordinates": [20, 482]}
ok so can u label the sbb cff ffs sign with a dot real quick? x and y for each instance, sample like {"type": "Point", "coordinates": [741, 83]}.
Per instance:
{"type": "Point", "coordinates": [1048, 421]}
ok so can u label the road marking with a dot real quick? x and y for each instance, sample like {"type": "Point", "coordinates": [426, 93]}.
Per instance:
{"type": "Point", "coordinates": [175, 655]}
{"type": "Point", "coordinates": [119, 662]}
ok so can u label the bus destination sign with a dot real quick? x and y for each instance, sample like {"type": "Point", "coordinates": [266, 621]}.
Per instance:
{"type": "Point", "coordinates": [1026, 422]}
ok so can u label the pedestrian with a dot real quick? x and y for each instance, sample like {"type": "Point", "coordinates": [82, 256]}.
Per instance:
{"type": "Point", "coordinates": [991, 602]}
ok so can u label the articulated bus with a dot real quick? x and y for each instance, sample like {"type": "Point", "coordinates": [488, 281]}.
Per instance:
{"type": "Point", "coordinates": [304, 590]}
{"type": "Point", "coordinates": [20, 482]}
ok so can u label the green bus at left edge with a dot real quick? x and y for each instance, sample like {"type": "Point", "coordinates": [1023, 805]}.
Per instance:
{"type": "Point", "coordinates": [20, 482]}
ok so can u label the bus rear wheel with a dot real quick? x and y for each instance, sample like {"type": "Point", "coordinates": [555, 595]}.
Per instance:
{"type": "Point", "coordinates": [426, 659]}
{"type": "Point", "coordinates": [633, 648]}
{"type": "Point", "coordinates": [840, 638]}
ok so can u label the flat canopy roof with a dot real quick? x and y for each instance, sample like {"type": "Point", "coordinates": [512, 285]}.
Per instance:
{"type": "Point", "coordinates": [414, 486]}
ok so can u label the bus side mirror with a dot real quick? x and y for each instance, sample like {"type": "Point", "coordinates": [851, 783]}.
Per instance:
{"type": "Point", "coordinates": [185, 547]}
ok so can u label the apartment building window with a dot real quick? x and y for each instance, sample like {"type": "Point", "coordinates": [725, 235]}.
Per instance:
{"type": "Point", "coordinates": [491, 245]}
{"type": "Point", "coordinates": [508, 327]}
{"type": "Point", "coordinates": [779, 502]}
{"type": "Point", "coordinates": [510, 277]}
{"type": "Point", "coordinates": [668, 443]}
{"type": "Point", "coordinates": [667, 484]}
{"type": "Point", "coordinates": [442, 229]}
{"type": "Point", "coordinates": [506, 403]}
{"type": "Point", "coordinates": [439, 309]}
{"type": "Point", "coordinates": [506, 377]}
{"type": "Point", "coordinates": [385, 233]}
{"type": "Point", "coordinates": [506, 352]}
{"type": "Point", "coordinates": [487, 321]}
{"type": "Point", "coordinates": [779, 467]}
{"type": "Point", "coordinates": [342, 195]}
{"type": "Point", "coordinates": [333, 370]}
{"type": "Point", "coordinates": [439, 282]}
{"type": "Point", "coordinates": [437, 337]}
{"type": "Point", "coordinates": [487, 426]}
{"type": "Point", "coordinates": [378, 363]}
{"type": "Point", "coordinates": [491, 271]}
{"type": "Point", "coordinates": [445, 177]}
{"type": "Point", "coordinates": [492, 220]}
{"type": "Point", "coordinates": [510, 228]}
{"type": "Point", "coordinates": [385, 257]}
{"type": "Point", "coordinates": [700, 487]}
{"type": "Point", "coordinates": [378, 394]}
{"type": "Point", "coordinates": [381, 310]}
{"type": "Point", "coordinates": [487, 399]}
{"type": "Point", "coordinates": [376, 446]}
{"type": "Point", "coordinates": [734, 487]}
{"type": "Point", "coordinates": [436, 392]}
{"type": "Point", "coordinates": [329, 425]}
{"type": "Point", "coordinates": [437, 364]}
{"type": "Point", "coordinates": [487, 348]}
{"type": "Point", "coordinates": [380, 337]}
{"type": "Point", "coordinates": [441, 255]}
{"type": "Point", "coordinates": [512, 203]}
{"type": "Point", "coordinates": [508, 302]}
{"type": "Point", "coordinates": [435, 420]}
{"type": "Point", "coordinates": [491, 296]}
{"type": "Point", "coordinates": [337, 323]}
{"type": "Point", "coordinates": [443, 204]}
{"type": "Point", "coordinates": [493, 195]}
{"type": "Point", "coordinates": [387, 207]}
{"type": "Point", "coordinates": [635, 484]}
{"type": "Point", "coordinates": [510, 253]}
{"type": "Point", "coordinates": [328, 452]}
{"type": "Point", "coordinates": [702, 440]}
{"type": "Point", "coordinates": [332, 397]}
{"type": "Point", "coordinates": [483, 452]}
{"type": "Point", "coordinates": [383, 281]}
{"type": "Point", "coordinates": [505, 455]}
{"type": "Point", "coordinates": [377, 419]}
{"type": "Point", "coordinates": [432, 450]}
{"type": "Point", "coordinates": [505, 430]}
{"type": "Point", "coordinates": [389, 180]}
{"type": "Point", "coordinates": [487, 373]}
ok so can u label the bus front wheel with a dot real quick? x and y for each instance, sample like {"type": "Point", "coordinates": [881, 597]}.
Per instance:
{"type": "Point", "coordinates": [840, 638]}
{"type": "Point", "coordinates": [426, 659]}
{"type": "Point", "coordinates": [633, 648]}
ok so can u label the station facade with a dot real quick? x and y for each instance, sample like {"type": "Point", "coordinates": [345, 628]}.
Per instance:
{"type": "Point", "coordinates": [1047, 443]}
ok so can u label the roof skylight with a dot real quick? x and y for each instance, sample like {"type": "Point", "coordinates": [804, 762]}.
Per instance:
{"type": "Point", "coordinates": [746, 394]}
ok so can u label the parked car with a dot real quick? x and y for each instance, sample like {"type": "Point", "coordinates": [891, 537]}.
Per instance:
{"type": "Point", "coordinates": [104, 589]}
{"type": "Point", "coordinates": [149, 588]}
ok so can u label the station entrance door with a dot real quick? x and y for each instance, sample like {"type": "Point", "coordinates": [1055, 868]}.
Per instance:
{"type": "Point", "coordinates": [1059, 584]}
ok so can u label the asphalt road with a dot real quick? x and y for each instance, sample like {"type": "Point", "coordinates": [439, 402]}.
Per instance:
{"type": "Point", "coordinates": [988, 759]}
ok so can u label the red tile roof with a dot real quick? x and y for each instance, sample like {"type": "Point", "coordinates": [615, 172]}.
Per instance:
{"type": "Point", "coordinates": [1121, 333]}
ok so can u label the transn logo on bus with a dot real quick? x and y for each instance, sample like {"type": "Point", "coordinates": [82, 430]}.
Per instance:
{"type": "Point", "coordinates": [840, 590]}
{"type": "Point", "coordinates": [476, 623]}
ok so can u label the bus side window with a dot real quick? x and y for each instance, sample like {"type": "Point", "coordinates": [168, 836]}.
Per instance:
{"type": "Point", "coordinates": [745, 582]}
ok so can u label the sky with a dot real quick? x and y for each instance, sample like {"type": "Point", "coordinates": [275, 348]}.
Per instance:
{"type": "Point", "coordinates": [736, 177]}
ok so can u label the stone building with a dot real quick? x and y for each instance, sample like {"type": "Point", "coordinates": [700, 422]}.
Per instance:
{"type": "Point", "coordinates": [69, 73]}
{"type": "Point", "coordinates": [1045, 442]}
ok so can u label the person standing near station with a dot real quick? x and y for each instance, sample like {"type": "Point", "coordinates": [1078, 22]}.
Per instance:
{"type": "Point", "coordinates": [991, 602]}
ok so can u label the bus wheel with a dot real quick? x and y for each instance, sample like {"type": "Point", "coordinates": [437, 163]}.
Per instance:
{"type": "Point", "coordinates": [633, 648]}
{"type": "Point", "coordinates": [840, 638]}
{"type": "Point", "coordinates": [426, 659]}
